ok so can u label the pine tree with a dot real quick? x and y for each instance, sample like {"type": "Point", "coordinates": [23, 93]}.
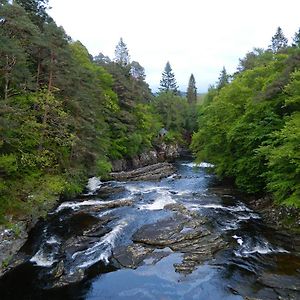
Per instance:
{"type": "Point", "coordinates": [192, 90]}
{"type": "Point", "coordinates": [36, 10]}
{"type": "Point", "coordinates": [279, 41]}
{"type": "Point", "coordinates": [137, 71]}
{"type": "Point", "coordinates": [121, 54]}
{"type": "Point", "coordinates": [223, 79]}
{"type": "Point", "coordinates": [296, 39]}
{"type": "Point", "coordinates": [168, 81]}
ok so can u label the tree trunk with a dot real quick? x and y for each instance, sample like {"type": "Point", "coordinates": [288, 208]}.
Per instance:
{"type": "Point", "coordinates": [6, 85]}
{"type": "Point", "coordinates": [6, 78]}
{"type": "Point", "coordinates": [38, 71]}
{"type": "Point", "coordinates": [51, 71]}
{"type": "Point", "coordinates": [45, 119]}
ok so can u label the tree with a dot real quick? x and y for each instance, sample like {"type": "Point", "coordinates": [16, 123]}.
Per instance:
{"type": "Point", "coordinates": [101, 59]}
{"type": "Point", "coordinates": [168, 81]}
{"type": "Point", "coordinates": [17, 37]}
{"type": "Point", "coordinates": [192, 90]}
{"type": "Point", "coordinates": [122, 56]}
{"type": "Point", "coordinates": [36, 10]}
{"type": "Point", "coordinates": [279, 41]}
{"type": "Point", "coordinates": [137, 71]}
{"type": "Point", "coordinates": [296, 39]}
{"type": "Point", "coordinates": [223, 79]}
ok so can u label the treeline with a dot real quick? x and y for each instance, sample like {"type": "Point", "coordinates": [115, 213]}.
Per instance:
{"type": "Point", "coordinates": [249, 126]}
{"type": "Point", "coordinates": [65, 115]}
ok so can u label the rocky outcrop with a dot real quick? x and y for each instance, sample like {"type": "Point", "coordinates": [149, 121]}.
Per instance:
{"type": "Point", "coordinates": [152, 172]}
{"type": "Point", "coordinates": [11, 241]}
{"type": "Point", "coordinates": [185, 232]}
{"type": "Point", "coordinates": [162, 152]}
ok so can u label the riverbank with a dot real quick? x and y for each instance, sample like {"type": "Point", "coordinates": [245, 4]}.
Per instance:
{"type": "Point", "coordinates": [282, 219]}
{"type": "Point", "coordinates": [176, 237]}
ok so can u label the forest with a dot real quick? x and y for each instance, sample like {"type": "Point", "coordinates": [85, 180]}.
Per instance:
{"type": "Point", "coordinates": [249, 125]}
{"type": "Point", "coordinates": [66, 115]}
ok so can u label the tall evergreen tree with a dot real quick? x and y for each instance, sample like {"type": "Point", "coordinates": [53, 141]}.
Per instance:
{"type": "Point", "coordinates": [296, 39]}
{"type": "Point", "coordinates": [168, 81]}
{"type": "Point", "coordinates": [36, 10]}
{"type": "Point", "coordinates": [279, 41]}
{"type": "Point", "coordinates": [137, 71]}
{"type": "Point", "coordinates": [122, 56]}
{"type": "Point", "coordinates": [223, 79]}
{"type": "Point", "coordinates": [192, 90]}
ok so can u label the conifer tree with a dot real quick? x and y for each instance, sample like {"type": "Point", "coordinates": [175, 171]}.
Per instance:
{"type": "Point", "coordinates": [279, 41]}
{"type": "Point", "coordinates": [122, 54]}
{"type": "Point", "coordinates": [223, 79]}
{"type": "Point", "coordinates": [168, 81]}
{"type": "Point", "coordinates": [296, 39]}
{"type": "Point", "coordinates": [137, 71]}
{"type": "Point", "coordinates": [192, 90]}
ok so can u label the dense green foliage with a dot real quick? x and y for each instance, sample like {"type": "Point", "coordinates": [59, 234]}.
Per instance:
{"type": "Point", "coordinates": [65, 115]}
{"type": "Point", "coordinates": [250, 127]}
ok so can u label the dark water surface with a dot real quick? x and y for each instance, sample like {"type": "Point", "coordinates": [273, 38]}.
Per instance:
{"type": "Point", "coordinates": [255, 261]}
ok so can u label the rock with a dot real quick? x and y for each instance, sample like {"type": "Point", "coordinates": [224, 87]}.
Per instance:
{"type": "Point", "coordinates": [163, 233]}
{"type": "Point", "coordinates": [280, 281]}
{"type": "Point", "coordinates": [184, 232]}
{"type": "Point", "coordinates": [58, 270]}
{"type": "Point", "coordinates": [107, 205]}
{"type": "Point", "coordinates": [108, 190]}
{"type": "Point", "coordinates": [76, 276]}
{"type": "Point", "coordinates": [162, 152]}
{"type": "Point", "coordinates": [152, 172]}
{"type": "Point", "coordinates": [119, 165]}
{"type": "Point", "coordinates": [10, 243]}
{"type": "Point", "coordinates": [131, 256]}
{"type": "Point", "coordinates": [178, 207]}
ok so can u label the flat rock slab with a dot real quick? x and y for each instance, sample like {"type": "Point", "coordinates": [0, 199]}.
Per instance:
{"type": "Point", "coordinates": [280, 281]}
{"type": "Point", "coordinates": [134, 255]}
{"type": "Point", "coordinates": [152, 172]}
{"type": "Point", "coordinates": [184, 233]}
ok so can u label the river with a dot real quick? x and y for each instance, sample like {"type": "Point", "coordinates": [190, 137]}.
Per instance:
{"type": "Point", "coordinates": [180, 238]}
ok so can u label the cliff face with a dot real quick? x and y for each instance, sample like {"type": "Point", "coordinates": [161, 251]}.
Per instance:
{"type": "Point", "coordinates": [162, 152]}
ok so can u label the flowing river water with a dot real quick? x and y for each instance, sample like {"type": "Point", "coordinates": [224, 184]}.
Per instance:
{"type": "Point", "coordinates": [178, 238]}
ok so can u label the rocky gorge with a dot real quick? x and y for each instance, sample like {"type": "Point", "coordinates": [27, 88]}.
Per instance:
{"type": "Point", "coordinates": [165, 229]}
{"type": "Point", "coordinates": [13, 237]}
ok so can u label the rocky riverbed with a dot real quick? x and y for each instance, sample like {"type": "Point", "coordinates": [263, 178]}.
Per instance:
{"type": "Point", "coordinates": [142, 236]}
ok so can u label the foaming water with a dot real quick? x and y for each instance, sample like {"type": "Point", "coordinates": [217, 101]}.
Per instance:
{"type": "Point", "coordinates": [93, 185]}
{"type": "Point", "coordinates": [101, 250]}
{"type": "Point", "coordinates": [201, 165]}
{"type": "Point", "coordinates": [163, 198]}
{"type": "Point", "coordinates": [82, 240]}
{"type": "Point", "coordinates": [43, 258]}
{"type": "Point", "coordinates": [250, 246]}
{"type": "Point", "coordinates": [78, 204]}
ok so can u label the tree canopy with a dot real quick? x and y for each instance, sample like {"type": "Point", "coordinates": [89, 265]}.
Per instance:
{"type": "Point", "coordinates": [250, 127]}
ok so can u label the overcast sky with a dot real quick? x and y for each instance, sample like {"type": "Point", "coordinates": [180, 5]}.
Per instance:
{"type": "Point", "coordinates": [198, 37]}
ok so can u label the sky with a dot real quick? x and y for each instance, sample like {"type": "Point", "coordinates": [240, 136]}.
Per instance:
{"type": "Point", "coordinates": [195, 36]}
